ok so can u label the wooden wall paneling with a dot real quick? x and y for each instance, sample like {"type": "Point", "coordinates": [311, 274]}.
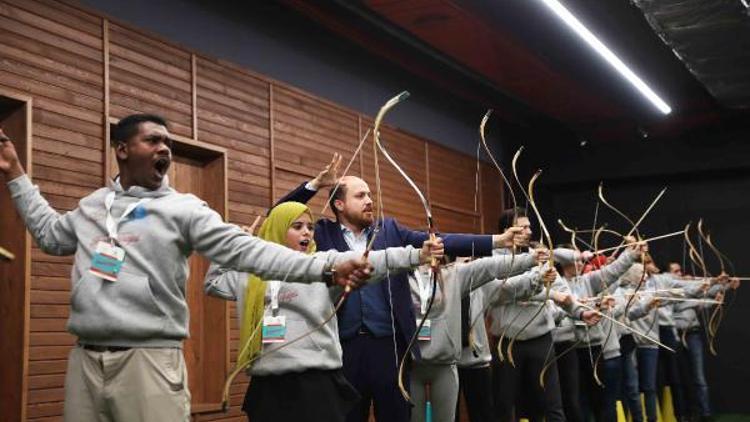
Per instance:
{"type": "Point", "coordinates": [108, 158]}
{"type": "Point", "coordinates": [54, 53]}
{"type": "Point", "coordinates": [15, 118]}
{"type": "Point", "coordinates": [194, 96]}
{"type": "Point", "coordinates": [361, 133]}
{"type": "Point", "coordinates": [453, 178]}
{"type": "Point", "coordinates": [399, 199]}
{"type": "Point", "coordinates": [454, 190]}
{"type": "Point", "coordinates": [60, 65]}
{"type": "Point", "coordinates": [233, 112]}
{"type": "Point", "coordinates": [493, 197]}
{"type": "Point", "coordinates": [455, 220]}
{"type": "Point", "coordinates": [271, 145]}
{"type": "Point", "coordinates": [149, 76]}
{"type": "Point", "coordinates": [307, 131]}
{"type": "Point", "coordinates": [426, 193]}
{"type": "Point", "coordinates": [60, 16]}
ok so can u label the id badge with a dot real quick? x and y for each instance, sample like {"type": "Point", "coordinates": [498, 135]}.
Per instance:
{"type": "Point", "coordinates": [107, 261]}
{"type": "Point", "coordinates": [425, 333]}
{"type": "Point", "coordinates": [274, 329]}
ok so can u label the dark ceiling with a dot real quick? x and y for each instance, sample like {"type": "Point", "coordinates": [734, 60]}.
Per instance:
{"type": "Point", "coordinates": [515, 56]}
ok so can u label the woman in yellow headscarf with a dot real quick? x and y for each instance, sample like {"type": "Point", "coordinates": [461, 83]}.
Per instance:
{"type": "Point", "coordinates": [302, 380]}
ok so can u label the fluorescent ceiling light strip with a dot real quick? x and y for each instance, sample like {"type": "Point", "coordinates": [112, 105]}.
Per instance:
{"type": "Point", "coordinates": [608, 55]}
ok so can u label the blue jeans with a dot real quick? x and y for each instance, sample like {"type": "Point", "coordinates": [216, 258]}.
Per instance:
{"type": "Point", "coordinates": [696, 353]}
{"type": "Point", "coordinates": [631, 396]}
{"type": "Point", "coordinates": [668, 370]}
{"type": "Point", "coordinates": [647, 361]}
{"type": "Point", "coordinates": [599, 401]}
{"type": "Point", "coordinates": [612, 378]}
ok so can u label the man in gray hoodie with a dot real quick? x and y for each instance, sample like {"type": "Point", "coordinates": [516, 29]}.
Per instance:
{"type": "Point", "coordinates": [131, 242]}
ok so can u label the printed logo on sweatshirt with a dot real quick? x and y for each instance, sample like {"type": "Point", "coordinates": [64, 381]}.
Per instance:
{"type": "Point", "coordinates": [138, 213]}
{"type": "Point", "coordinates": [436, 304]}
{"type": "Point", "coordinates": [287, 296]}
{"type": "Point", "coordinates": [122, 238]}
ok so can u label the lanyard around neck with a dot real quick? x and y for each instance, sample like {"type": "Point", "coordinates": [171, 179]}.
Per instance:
{"type": "Point", "coordinates": [112, 224]}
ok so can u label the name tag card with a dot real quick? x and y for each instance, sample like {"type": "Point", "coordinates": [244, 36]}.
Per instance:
{"type": "Point", "coordinates": [425, 333]}
{"type": "Point", "coordinates": [274, 329]}
{"type": "Point", "coordinates": [107, 261]}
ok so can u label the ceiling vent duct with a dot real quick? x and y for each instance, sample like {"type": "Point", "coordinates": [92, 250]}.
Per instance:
{"type": "Point", "coordinates": [712, 39]}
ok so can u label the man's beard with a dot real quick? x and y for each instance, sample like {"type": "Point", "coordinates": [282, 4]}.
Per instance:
{"type": "Point", "coordinates": [359, 220]}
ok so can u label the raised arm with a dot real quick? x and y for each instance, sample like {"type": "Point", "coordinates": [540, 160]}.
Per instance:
{"type": "Point", "coordinates": [644, 306]}
{"type": "Point", "coordinates": [306, 191]}
{"type": "Point", "coordinates": [389, 260]}
{"type": "Point", "coordinates": [479, 272]}
{"type": "Point", "coordinates": [461, 244]}
{"type": "Point", "coordinates": [609, 274]}
{"type": "Point", "coordinates": [516, 288]}
{"type": "Point", "coordinates": [692, 288]}
{"type": "Point", "coordinates": [52, 231]}
{"type": "Point", "coordinates": [230, 247]}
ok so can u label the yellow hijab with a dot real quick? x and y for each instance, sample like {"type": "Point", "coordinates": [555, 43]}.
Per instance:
{"type": "Point", "coordinates": [273, 229]}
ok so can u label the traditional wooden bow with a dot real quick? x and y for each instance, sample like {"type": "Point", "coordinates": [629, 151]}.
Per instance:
{"type": "Point", "coordinates": [697, 259]}
{"type": "Point", "coordinates": [430, 226]}
{"type": "Point", "coordinates": [491, 298]}
{"type": "Point", "coordinates": [550, 263]}
{"type": "Point", "coordinates": [715, 319]}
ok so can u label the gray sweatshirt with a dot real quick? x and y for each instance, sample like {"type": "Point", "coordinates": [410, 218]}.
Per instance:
{"type": "Point", "coordinates": [686, 314]}
{"type": "Point", "coordinates": [483, 355]}
{"type": "Point", "coordinates": [622, 294]}
{"type": "Point", "coordinates": [458, 280]}
{"type": "Point", "coordinates": [305, 306]}
{"type": "Point", "coordinates": [589, 285]}
{"type": "Point", "coordinates": [146, 306]}
{"type": "Point", "coordinates": [664, 281]}
{"type": "Point", "coordinates": [510, 316]}
{"type": "Point", "coordinates": [643, 319]}
{"type": "Point", "coordinates": [611, 341]}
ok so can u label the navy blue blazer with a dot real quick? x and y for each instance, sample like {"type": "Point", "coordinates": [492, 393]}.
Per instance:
{"type": "Point", "coordinates": [328, 235]}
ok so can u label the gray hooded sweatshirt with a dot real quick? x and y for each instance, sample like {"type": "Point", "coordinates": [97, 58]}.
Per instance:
{"type": "Point", "coordinates": [665, 281]}
{"type": "Point", "coordinates": [510, 316]}
{"type": "Point", "coordinates": [305, 306]}
{"type": "Point", "coordinates": [590, 285]}
{"type": "Point", "coordinates": [146, 306]}
{"type": "Point", "coordinates": [685, 314]}
{"type": "Point", "coordinates": [458, 280]}
{"type": "Point", "coordinates": [482, 356]}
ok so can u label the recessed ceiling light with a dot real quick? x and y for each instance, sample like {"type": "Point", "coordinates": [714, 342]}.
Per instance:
{"type": "Point", "coordinates": [607, 54]}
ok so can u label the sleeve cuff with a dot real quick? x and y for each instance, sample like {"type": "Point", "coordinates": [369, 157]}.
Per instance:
{"type": "Point", "coordinates": [414, 257]}
{"type": "Point", "coordinates": [318, 266]}
{"type": "Point", "coordinates": [578, 312]}
{"type": "Point", "coordinates": [19, 185]}
{"type": "Point", "coordinates": [564, 256]}
{"type": "Point", "coordinates": [529, 261]}
{"type": "Point", "coordinates": [310, 187]}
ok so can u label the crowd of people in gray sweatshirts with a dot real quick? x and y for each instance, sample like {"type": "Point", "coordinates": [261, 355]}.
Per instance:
{"type": "Point", "coordinates": [522, 332]}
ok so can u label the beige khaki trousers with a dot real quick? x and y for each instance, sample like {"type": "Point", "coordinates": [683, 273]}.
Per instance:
{"type": "Point", "coordinates": [145, 385]}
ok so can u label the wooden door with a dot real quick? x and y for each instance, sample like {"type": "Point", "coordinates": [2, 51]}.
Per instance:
{"type": "Point", "coordinates": [207, 349]}
{"type": "Point", "coordinates": [15, 119]}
